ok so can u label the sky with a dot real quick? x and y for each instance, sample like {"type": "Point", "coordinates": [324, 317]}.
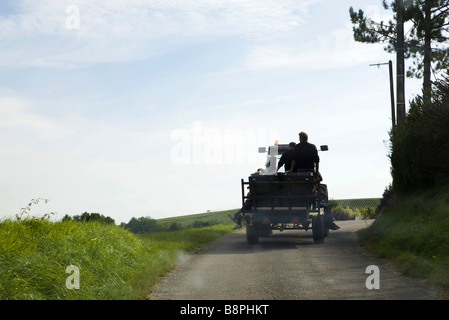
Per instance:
{"type": "Point", "coordinates": [132, 108]}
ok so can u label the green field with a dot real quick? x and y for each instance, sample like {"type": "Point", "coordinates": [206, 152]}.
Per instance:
{"type": "Point", "coordinates": [212, 218]}
{"type": "Point", "coordinates": [358, 203]}
{"type": "Point", "coordinates": [222, 217]}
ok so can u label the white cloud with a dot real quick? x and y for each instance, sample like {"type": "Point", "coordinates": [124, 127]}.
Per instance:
{"type": "Point", "coordinates": [325, 52]}
{"type": "Point", "coordinates": [17, 120]}
{"type": "Point", "coordinates": [111, 31]}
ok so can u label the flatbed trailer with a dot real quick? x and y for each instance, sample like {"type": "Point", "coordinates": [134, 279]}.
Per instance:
{"type": "Point", "coordinates": [280, 201]}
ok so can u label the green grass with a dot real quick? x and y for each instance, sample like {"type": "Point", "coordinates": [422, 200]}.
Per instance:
{"type": "Point", "coordinates": [113, 262]}
{"type": "Point", "coordinates": [413, 234]}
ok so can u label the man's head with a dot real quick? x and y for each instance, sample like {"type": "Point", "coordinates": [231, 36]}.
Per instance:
{"type": "Point", "coordinates": [291, 145]}
{"type": "Point", "coordinates": [303, 137]}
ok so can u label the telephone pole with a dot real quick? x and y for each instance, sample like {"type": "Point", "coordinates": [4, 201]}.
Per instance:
{"type": "Point", "coordinates": [390, 69]}
{"type": "Point", "coordinates": [400, 65]}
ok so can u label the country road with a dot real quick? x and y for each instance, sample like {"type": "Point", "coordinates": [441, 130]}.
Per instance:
{"type": "Point", "coordinates": [284, 266]}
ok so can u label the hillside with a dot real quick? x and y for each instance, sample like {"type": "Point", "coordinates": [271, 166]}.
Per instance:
{"type": "Point", "coordinates": [217, 217]}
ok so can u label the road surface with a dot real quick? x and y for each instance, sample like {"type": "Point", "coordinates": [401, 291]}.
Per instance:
{"type": "Point", "coordinates": [287, 265]}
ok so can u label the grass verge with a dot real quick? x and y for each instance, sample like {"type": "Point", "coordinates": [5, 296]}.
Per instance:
{"type": "Point", "coordinates": [413, 233]}
{"type": "Point", "coordinates": [113, 263]}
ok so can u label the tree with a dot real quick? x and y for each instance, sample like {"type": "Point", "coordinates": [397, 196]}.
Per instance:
{"type": "Point", "coordinates": [426, 41]}
{"type": "Point", "coordinates": [86, 217]}
{"type": "Point", "coordinates": [420, 149]}
{"type": "Point", "coordinates": [142, 225]}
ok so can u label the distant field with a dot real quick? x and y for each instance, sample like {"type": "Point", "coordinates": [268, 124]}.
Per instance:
{"type": "Point", "coordinates": [217, 217]}
{"type": "Point", "coordinates": [222, 217]}
{"type": "Point", "coordinates": [358, 203]}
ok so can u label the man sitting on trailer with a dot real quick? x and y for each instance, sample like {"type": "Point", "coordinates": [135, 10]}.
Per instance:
{"type": "Point", "coordinates": [305, 156]}
{"type": "Point", "coordinates": [306, 159]}
{"type": "Point", "coordinates": [287, 157]}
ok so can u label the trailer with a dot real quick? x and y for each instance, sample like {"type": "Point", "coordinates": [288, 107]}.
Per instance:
{"type": "Point", "coordinates": [280, 201]}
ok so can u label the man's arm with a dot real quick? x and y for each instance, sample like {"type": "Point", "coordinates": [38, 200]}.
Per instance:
{"type": "Point", "coordinates": [291, 168]}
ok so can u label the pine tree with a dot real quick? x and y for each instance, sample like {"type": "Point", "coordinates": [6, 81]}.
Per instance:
{"type": "Point", "coordinates": [425, 42]}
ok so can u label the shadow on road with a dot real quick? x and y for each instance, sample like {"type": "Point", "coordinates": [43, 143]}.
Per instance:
{"type": "Point", "coordinates": [235, 243]}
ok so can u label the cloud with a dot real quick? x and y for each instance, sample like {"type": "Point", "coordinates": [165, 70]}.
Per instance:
{"type": "Point", "coordinates": [78, 163]}
{"type": "Point", "coordinates": [17, 120]}
{"type": "Point", "coordinates": [41, 33]}
{"type": "Point", "coordinates": [325, 52]}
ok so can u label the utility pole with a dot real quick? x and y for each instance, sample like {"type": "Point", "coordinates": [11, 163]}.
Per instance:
{"type": "Point", "coordinates": [400, 65]}
{"type": "Point", "coordinates": [390, 67]}
{"type": "Point", "coordinates": [393, 118]}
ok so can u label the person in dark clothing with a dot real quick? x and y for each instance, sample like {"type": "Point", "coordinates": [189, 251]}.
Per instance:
{"type": "Point", "coordinates": [287, 157]}
{"type": "Point", "coordinates": [305, 156]}
{"type": "Point", "coordinates": [306, 159]}
{"type": "Point", "coordinates": [237, 217]}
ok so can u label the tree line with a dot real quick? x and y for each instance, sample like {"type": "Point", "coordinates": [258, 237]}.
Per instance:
{"type": "Point", "coordinates": [137, 225]}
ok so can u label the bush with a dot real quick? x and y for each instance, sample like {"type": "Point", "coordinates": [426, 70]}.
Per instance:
{"type": "Point", "coordinates": [175, 226]}
{"type": "Point", "coordinates": [340, 213]}
{"type": "Point", "coordinates": [367, 212]}
{"type": "Point", "coordinates": [202, 224]}
{"type": "Point", "coordinates": [387, 199]}
{"type": "Point", "coordinates": [420, 147]}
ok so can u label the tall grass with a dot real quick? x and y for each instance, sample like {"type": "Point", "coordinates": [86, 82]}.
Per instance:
{"type": "Point", "coordinates": [413, 233]}
{"type": "Point", "coordinates": [113, 263]}
{"type": "Point", "coordinates": [35, 252]}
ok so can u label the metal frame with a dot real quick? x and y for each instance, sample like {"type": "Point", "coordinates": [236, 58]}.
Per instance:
{"type": "Point", "coordinates": [284, 214]}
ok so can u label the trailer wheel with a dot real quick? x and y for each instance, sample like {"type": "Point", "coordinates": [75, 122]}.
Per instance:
{"type": "Point", "coordinates": [252, 235]}
{"type": "Point", "coordinates": [318, 229]}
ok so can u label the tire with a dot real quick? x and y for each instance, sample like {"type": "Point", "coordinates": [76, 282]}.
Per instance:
{"type": "Point", "coordinates": [318, 229]}
{"type": "Point", "coordinates": [252, 235]}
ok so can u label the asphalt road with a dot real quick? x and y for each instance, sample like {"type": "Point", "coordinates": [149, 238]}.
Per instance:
{"type": "Point", "coordinates": [287, 265]}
